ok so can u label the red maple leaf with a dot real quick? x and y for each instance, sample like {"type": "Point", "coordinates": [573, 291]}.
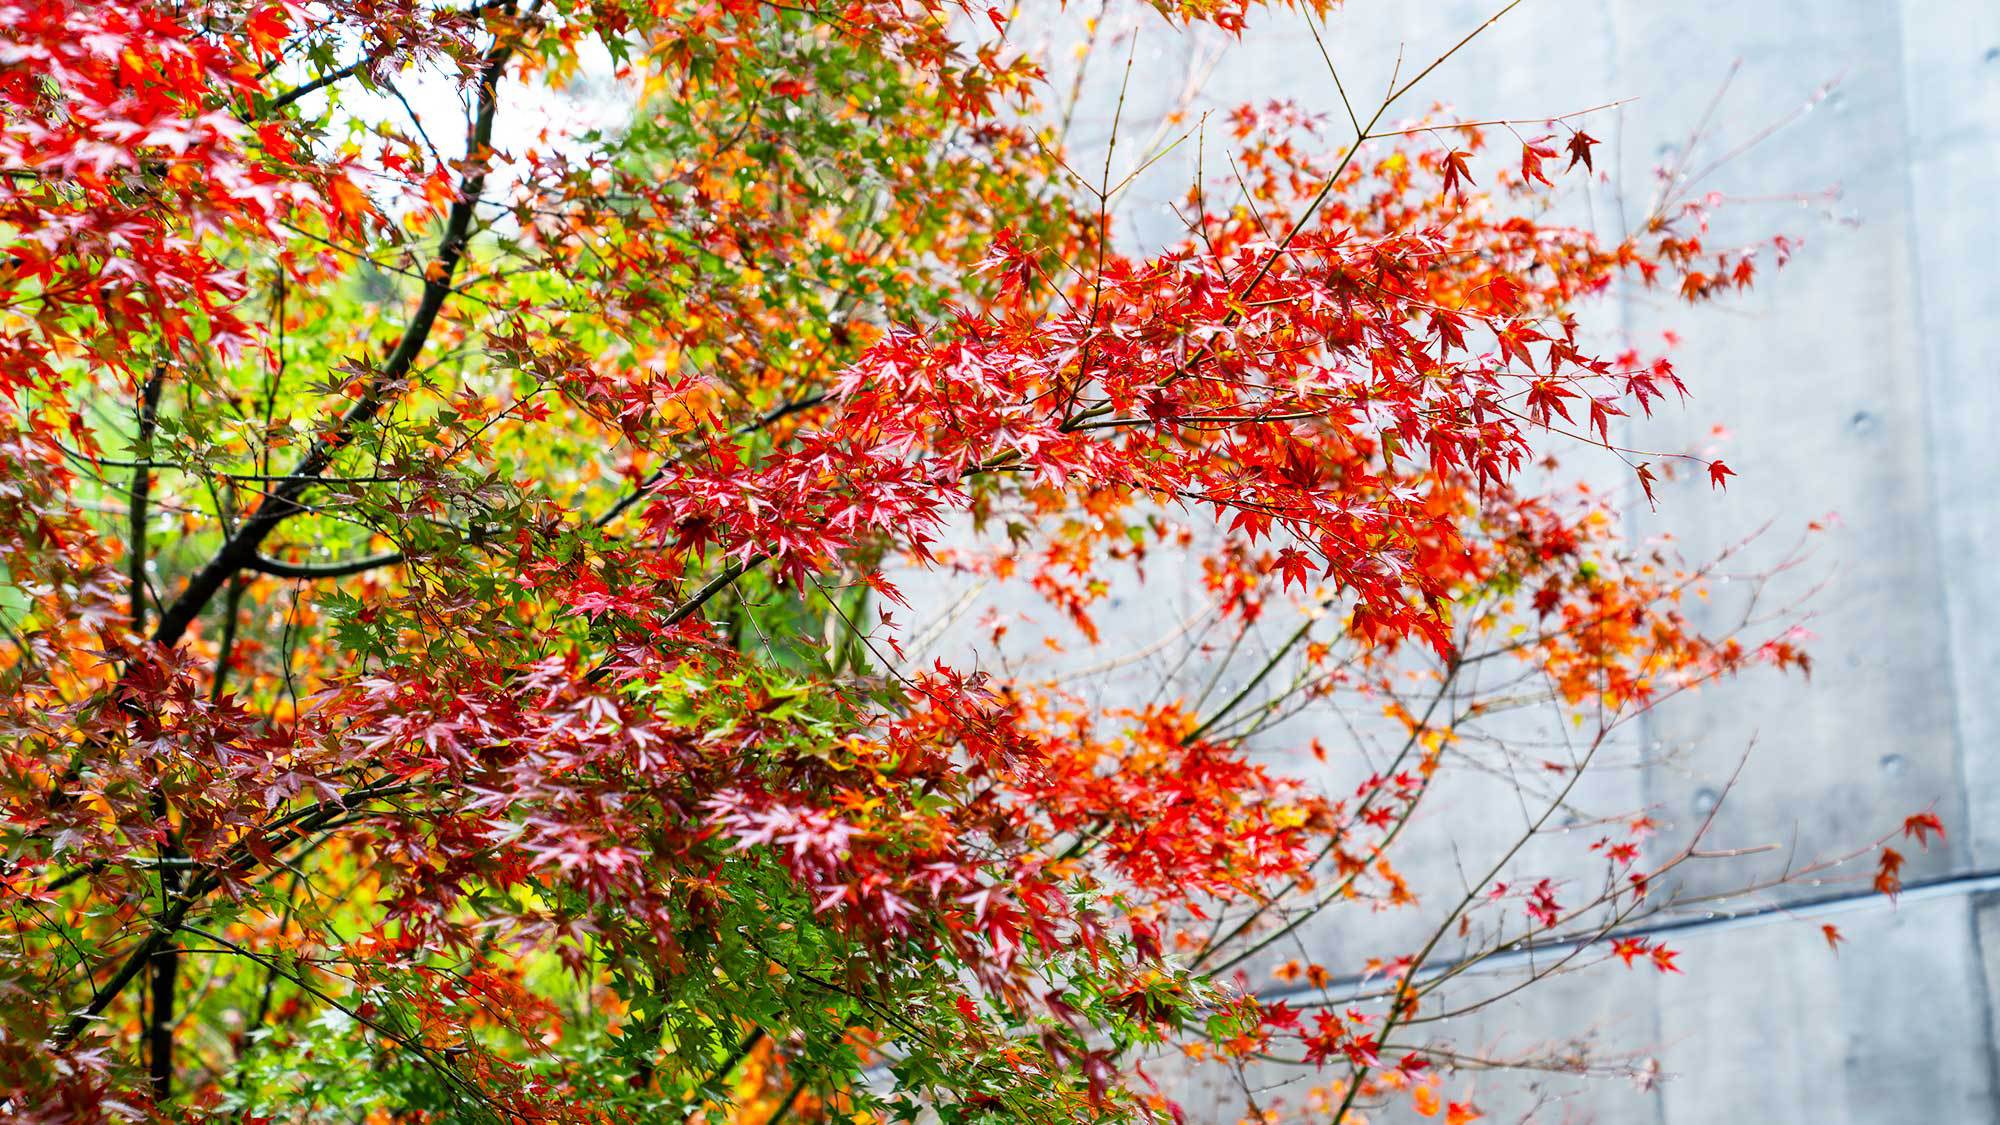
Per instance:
{"type": "Point", "coordinates": [1921, 825]}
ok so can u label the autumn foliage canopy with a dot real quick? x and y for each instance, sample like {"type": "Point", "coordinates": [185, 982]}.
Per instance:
{"type": "Point", "coordinates": [494, 600]}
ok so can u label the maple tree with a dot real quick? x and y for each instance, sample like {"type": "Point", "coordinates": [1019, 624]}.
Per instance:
{"type": "Point", "coordinates": [452, 593]}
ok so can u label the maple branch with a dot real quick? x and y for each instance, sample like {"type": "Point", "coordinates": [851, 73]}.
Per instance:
{"type": "Point", "coordinates": [139, 959]}
{"type": "Point", "coordinates": [413, 1045]}
{"type": "Point", "coordinates": [1508, 121]}
{"type": "Point", "coordinates": [736, 1056]}
{"type": "Point", "coordinates": [278, 568]}
{"type": "Point", "coordinates": [643, 1076]}
{"type": "Point", "coordinates": [323, 81]}
{"type": "Point", "coordinates": [164, 966]}
{"type": "Point", "coordinates": [784, 1109]}
{"type": "Point", "coordinates": [1319, 198]}
{"type": "Point", "coordinates": [714, 586]}
{"type": "Point", "coordinates": [1399, 1006]}
{"type": "Point", "coordinates": [341, 74]}
{"type": "Point", "coordinates": [638, 493]}
{"type": "Point", "coordinates": [1262, 673]}
{"type": "Point", "coordinates": [297, 825]}
{"type": "Point", "coordinates": [241, 549]}
{"type": "Point", "coordinates": [1215, 944]}
{"type": "Point", "coordinates": [283, 501]}
{"type": "Point", "coordinates": [142, 485]}
{"type": "Point", "coordinates": [232, 605]}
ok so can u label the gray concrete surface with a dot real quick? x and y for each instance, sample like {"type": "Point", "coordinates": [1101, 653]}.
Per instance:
{"type": "Point", "coordinates": [1861, 380]}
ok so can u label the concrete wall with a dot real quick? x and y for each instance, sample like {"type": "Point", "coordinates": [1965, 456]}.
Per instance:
{"type": "Point", "coordinates": [1859, 380]}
